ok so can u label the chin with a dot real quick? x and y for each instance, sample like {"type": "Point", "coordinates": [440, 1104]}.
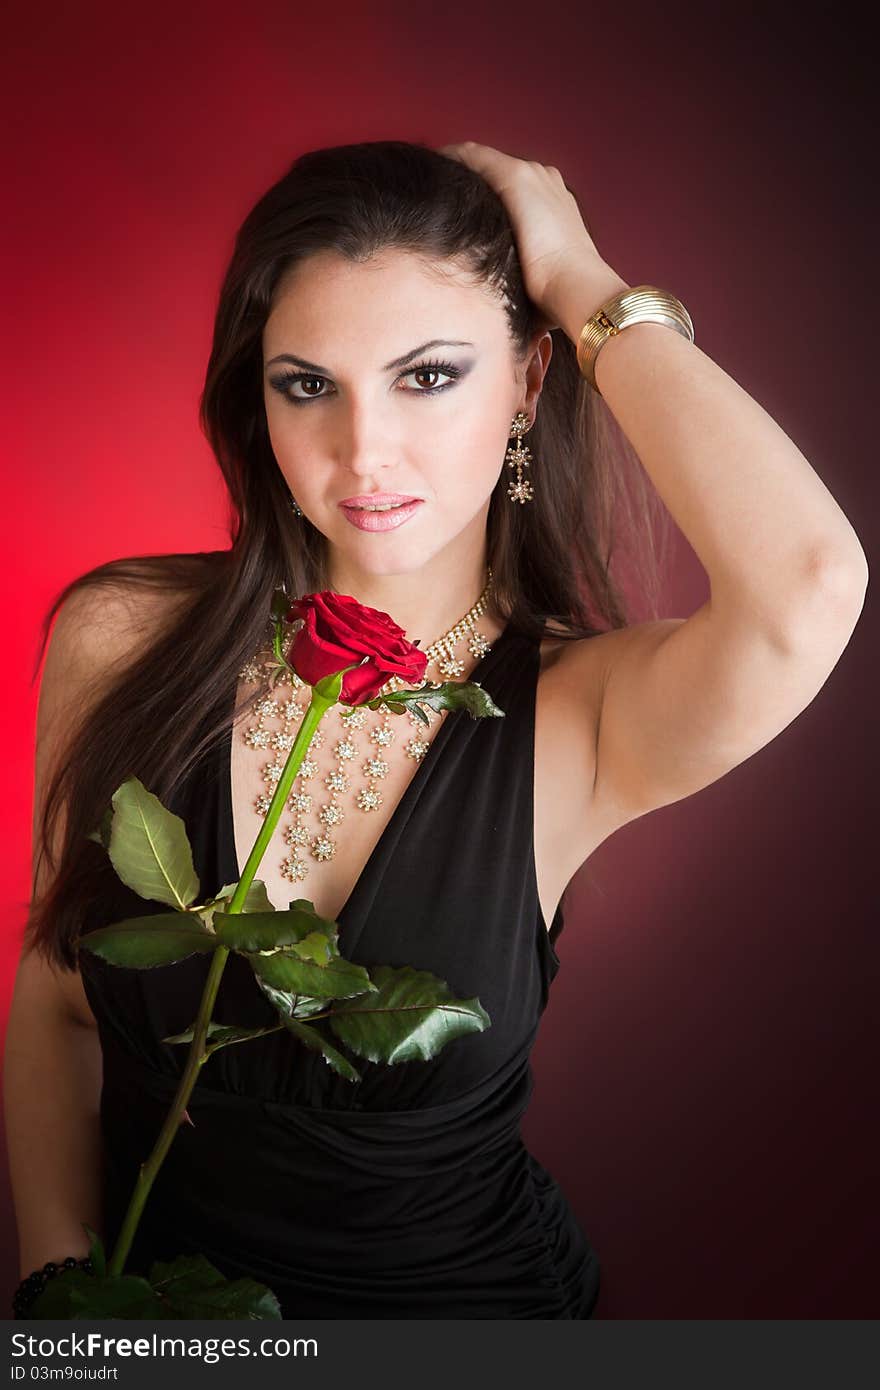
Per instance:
{"type": "Point", "coordinates": [391, 565]}
{"type": "Point", "coordinates": [383, 555]}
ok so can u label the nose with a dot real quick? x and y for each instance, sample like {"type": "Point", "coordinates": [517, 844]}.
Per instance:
{"type": "Point", "coordinates": [366, 446]}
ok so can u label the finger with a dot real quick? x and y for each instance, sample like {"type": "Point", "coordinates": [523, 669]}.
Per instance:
{"type": "Point", "coordinates": [456, 148]}
{"type": "Point", "coordinates": [476, 156]}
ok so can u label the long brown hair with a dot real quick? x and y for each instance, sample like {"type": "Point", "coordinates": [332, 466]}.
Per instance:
{"type": "Point", "coordinates": [551, 558]}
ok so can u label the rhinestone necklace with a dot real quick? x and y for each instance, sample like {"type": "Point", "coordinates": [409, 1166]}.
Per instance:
{"type": "Point", "coordinates": [286, 712]}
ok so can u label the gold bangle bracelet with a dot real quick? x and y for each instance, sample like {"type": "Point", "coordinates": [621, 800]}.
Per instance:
{"type": "Point", "coordinates": [641, 304]}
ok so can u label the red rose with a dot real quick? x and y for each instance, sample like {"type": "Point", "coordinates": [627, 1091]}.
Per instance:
{"type": "Point", "coordinates": [339, 631]}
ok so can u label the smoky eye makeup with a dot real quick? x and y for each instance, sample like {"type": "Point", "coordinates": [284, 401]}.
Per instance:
{"type": "Point", "coordinates": [282, 381]}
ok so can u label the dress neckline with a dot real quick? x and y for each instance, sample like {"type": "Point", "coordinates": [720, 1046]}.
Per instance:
{"type": "Point", "coordinates": [229, 853]}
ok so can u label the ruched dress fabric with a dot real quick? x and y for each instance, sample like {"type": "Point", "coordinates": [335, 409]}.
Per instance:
{"type": "Point", "coordinates": [409, 1193]}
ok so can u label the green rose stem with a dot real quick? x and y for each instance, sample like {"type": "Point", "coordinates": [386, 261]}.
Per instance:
{"type": "Point", "coordinates": [324, 695]}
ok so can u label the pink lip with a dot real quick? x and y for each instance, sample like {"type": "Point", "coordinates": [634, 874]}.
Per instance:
{"type": "Point", "coordinates": [376, 499]}
{"type": "Point", "coordinates": [381, 521]}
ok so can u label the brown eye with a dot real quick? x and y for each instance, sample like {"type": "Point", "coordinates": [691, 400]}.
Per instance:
{"type": "Point", "coordinates": [313, 386]}
{"type": "Point", "coordinates": [435, 370]}
{"type": "Point", "coordinates": [285, 384]}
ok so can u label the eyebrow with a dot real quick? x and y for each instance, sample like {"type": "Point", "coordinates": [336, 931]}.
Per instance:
{"type": "Point", "coordinates": [389, 366]}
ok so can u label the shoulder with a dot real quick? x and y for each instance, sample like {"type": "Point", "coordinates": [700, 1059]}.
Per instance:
{"type": "Point", "coordinates": [101, 621]}
{"type": "Point", "coordinates": [105, 615]}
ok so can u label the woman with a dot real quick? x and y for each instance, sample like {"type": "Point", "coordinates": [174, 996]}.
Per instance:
{"type": "Point", "coordinates": [368, 277]}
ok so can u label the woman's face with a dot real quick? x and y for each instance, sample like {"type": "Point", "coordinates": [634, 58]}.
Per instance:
{"type": "Point", "coordinates": [390, 376]}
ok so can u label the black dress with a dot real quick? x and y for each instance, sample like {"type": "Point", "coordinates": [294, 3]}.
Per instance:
{"type": "Point", "coordinates": [409, 1193]}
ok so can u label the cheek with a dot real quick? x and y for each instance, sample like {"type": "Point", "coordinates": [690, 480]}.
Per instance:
{"type": "Point", "coordinates": [467, 475]}
{"type": "Point", "coordinates": [289, 446]}
{"type": "Point", "coordinates": [278, 434]}
{"type": "Point", "coordinates": [487, 446]}
{"type": "Point", "coordinates": [486, 432]}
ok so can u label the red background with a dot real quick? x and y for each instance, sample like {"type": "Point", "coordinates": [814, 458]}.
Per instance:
{"type": "Point", "coordinates": [706, 1067]}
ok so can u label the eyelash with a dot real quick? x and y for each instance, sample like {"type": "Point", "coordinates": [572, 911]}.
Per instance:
{"type": "Point", "coordinates": [283, 382]}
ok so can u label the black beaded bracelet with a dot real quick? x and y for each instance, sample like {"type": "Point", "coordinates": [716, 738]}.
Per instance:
{"type": "Point", "coordinates": [34, 1284]}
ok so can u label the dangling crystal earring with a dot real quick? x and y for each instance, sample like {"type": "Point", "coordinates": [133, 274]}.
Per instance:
{"type": "Point", "coordinates": [518, 457]}
{"type": "Point", "coordinates": [294, 506]}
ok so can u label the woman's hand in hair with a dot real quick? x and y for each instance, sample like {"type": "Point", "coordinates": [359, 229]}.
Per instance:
{"type": "Point", "coordinates": [555, 249]}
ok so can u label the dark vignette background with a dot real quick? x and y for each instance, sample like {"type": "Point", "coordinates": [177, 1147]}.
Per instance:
{"type": "Point", "coordinates": [706, 1070]}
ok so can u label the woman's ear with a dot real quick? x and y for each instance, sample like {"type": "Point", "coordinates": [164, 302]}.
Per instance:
{"type": "Point", "coordinates": [537, 362]}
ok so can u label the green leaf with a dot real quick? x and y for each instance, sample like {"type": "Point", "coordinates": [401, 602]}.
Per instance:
{"type": "Point", "coordinates": [256, 900]}
{"type": "Point", "coordinates": [149, 848]}
{"type": "Point", "coordinates": [220, 1033]}
{"type": "Point", "coordinates": [410, 1018]}
{"type": "Point", "coordinates": [261, 931]}
{"type": "Point", "coordinates": [340, 979]}
{"type": "Point", "coordinates": [318, 1043]}
{"type": "Point", "coordinates": [142, 942]}
{"type": "Point", "coordinates": [316, 947]}
{"type": "Point", "coordinates": [453, 695]}
{"type": "Point", "coordinates": [189, 1034]}
{"type": "Point", "coordinates": [225, 1036]}
{"type": "Point", "coordinates": [292, 1005]}
{"type": "Point", "coordinates": [75, 1294]}
{"type": "Point", "coordinates": [191, 1287]}
{"type": "Point", "coordinates": [188, 1287]}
